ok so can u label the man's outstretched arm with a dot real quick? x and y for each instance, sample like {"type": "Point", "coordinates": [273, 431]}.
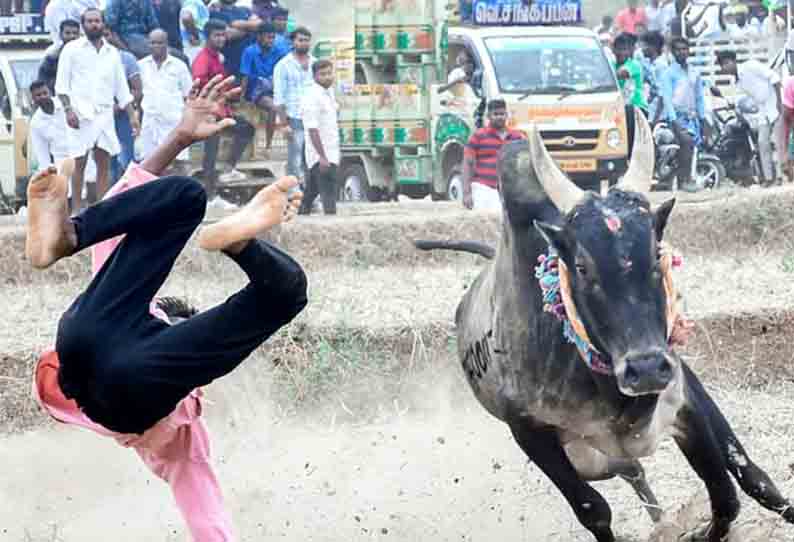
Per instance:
{"type": "Point", "coordinates": [198, 121]}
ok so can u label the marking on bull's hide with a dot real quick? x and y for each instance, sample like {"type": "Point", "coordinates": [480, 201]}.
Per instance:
{"type": "Point", "coordinates": [478, 357]}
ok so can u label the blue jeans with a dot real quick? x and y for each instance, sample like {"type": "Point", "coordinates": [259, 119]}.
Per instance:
{"type": "Point", "coordinates": [296, 160]}
{"type": "Point", "coordinates": [119, 163]}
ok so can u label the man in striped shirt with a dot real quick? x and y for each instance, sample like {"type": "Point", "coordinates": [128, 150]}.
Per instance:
{"type": "Point", "coordinates": [480, 167]}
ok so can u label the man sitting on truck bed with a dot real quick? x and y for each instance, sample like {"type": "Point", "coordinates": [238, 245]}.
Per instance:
{"type": "Point", "coordinates": [480, 173]}
{"type": "Point", "coordinates": [259, 62]}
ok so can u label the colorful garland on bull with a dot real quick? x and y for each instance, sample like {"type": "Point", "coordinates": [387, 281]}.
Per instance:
{"type": "Point", "coordinates": [548, 274]}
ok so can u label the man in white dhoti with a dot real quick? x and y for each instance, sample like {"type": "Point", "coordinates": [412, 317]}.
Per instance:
{"type": "Point", "coordinates": [166, 84]}
{"type": "Point", "coordinates": [90, 76]}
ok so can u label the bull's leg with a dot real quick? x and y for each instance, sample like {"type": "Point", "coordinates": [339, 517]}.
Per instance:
{"type": "Point", "coordinates": [544, 449]}
{"type": "Point", "coordinates": [593, 466]}
{"type": "Point", "coordinates": [752, 479]}
{"type": "Point", "coordinates": [701, 448]}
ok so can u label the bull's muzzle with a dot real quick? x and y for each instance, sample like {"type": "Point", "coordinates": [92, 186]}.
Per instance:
{"type": "Point", "coordinates": [644, 373]}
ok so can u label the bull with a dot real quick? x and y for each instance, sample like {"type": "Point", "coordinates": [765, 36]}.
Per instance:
{"type": "Point", "coordinates": [581, 422]}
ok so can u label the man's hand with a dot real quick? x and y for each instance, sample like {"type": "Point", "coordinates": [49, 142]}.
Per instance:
{"type": "Point", "coordinates": [468, 201]}
{"type": "Point", "coordinates": [135, 123]}
{"type": "Point", "coordinates": [324, 164]}
{"type": "Point", "coordinates": [623, 73]}
{"type": "Point", "coordinates": [287, 129]}
{"type": "Point", "coordinates": [72, 120]}
{"type": "Point", "coordinates": [203, 106]}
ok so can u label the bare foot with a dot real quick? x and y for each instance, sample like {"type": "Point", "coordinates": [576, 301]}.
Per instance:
{"type": "Point", "coordinates": [50, 236]}
{"type": "Point", "coordinates": [270, 206]}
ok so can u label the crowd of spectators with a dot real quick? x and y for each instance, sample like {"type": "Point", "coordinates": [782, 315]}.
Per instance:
{"type": "Point", "coordinates": [156, 48]}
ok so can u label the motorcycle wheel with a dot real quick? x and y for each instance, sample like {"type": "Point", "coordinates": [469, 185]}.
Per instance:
{"type": "Point", "coordinates": [709, 173]}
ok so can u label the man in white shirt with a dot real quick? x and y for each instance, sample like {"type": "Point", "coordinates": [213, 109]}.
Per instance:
{"type": "Point", "coordinates": [653, 14]}
{"type": "Point", "coordinates": [48, 131]}
{"type": "Point", "coordinates": [320, 111]}
{"type": "Point", "coordinates": [763, 86]}
{"type": "Point", "coordinates": [58, 11]}
{"type": "Point", "coordinates": [166, 84]}
{"type": "Point", "coordinates": [667, 14]}
{"type": "Point", "coordinates": [90, 76]}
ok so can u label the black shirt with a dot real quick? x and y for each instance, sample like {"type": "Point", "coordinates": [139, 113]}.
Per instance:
{"type": "Point", "coordinates": [168, 15]}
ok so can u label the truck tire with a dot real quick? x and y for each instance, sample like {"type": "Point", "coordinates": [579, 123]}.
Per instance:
{"type": "Point", "coordinates": [455, 184]}
{"type": "Point", "coordinates": [354, 184]}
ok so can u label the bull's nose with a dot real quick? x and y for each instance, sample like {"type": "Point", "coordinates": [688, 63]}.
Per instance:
{"type": "Point", "coordinates": [645, 373]}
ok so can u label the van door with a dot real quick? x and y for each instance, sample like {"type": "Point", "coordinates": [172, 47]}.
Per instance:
{"type": "Point", "coordinates": [7, 169]}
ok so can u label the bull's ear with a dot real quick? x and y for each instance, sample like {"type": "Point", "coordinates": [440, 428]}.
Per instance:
{"type": "Point", "coordinates": [660, 216]}
{"type": "Point", "coordinates": [557, 238]}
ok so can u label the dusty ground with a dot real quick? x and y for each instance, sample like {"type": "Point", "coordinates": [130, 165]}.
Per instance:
{"type": "Point", "coordinates": [354, 423]}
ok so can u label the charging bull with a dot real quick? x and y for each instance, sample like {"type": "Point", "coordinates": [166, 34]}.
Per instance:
{"type": "Point", "coordinates": [577, 421]}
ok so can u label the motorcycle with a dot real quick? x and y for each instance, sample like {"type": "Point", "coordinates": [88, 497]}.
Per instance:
{"type": "Point", "coordinates": [732, 147]}
{"type": "Point", "coordinates": [666, 163]}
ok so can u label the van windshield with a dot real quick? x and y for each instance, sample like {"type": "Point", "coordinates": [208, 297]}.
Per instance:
{"type": "Point", "coordinates": [550, 64]}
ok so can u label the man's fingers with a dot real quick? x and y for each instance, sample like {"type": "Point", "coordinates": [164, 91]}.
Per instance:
{"type": "Point", "coordinates": [220, 86]}
{"type": "Point", "coordinates": [210, 86]}
{"type": "Point", "coordinates": [232, 93]}
{"type": "Point", "coordinates": [226, 123]}
{"type": "Point", "coordinates": [195, 89]}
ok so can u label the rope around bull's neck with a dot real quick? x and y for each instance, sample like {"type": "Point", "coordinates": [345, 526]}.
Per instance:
{"type": "Point", "coordinates": [553, 279]}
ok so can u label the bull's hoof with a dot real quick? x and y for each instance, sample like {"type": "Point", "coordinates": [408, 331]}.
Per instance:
{"type": "Point", "coordinates": [703, 533]}
{"type": "Point", "coordinates": [689, 522]}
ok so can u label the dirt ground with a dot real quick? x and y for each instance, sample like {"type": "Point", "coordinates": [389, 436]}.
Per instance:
{"type": "Point", "coordinates": [354, 423]}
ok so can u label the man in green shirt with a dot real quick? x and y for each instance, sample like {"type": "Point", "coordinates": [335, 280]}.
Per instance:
{"type": "Point", "coordinates": [629, 71]}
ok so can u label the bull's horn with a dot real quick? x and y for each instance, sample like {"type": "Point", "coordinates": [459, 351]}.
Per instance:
{"type": "Point", "coordinates": [558, 187]}
{"type": "Point", "coordinates": [640, 173]}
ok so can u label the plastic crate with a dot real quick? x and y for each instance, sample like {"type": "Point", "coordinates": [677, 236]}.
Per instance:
{"type": "Point", "coordinates": [410, 133]}
{"type": "Point", "coordinates": [365, 40]}
{"type": "Point", "coordinates": [415, 39]}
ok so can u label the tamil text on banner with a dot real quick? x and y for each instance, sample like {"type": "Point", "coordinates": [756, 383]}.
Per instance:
{"type": "Point", "coordinates": [526, 12]}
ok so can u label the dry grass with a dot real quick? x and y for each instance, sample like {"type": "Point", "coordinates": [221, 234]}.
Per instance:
{"type": "Point", "coordinates": [380, 311]}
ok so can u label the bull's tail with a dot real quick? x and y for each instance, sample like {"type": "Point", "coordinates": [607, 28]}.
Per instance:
{"type": "Point", "coordinates": [473, 247]}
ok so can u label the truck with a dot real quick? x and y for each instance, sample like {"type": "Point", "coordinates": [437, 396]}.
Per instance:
{"type": "Point", "coordinates": [401, 135]}
{"type": "Point", "coordinates": [23, 42]}
{"type": "Point", "coordinates": [550, 72]}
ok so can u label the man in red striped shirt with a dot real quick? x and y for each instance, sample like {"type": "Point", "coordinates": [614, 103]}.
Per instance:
{"type": "Point", "coordinates": [480, 159]}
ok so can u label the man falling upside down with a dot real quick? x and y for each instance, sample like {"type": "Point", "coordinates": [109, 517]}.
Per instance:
{"type": "Point", "coordinates": [119, 367]}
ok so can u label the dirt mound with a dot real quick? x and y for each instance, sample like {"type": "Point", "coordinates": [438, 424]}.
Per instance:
{"type": "Point", "coordinates": [382, 234]}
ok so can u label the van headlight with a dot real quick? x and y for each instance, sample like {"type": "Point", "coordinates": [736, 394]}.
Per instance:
{"type": "Point", "coordinates": [613, 138]}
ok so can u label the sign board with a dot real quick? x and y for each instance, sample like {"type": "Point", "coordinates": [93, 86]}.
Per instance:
{"type": "Point", "coordinates": [22, 23]}
{"type": "Point", "coordinates": [526, 12]}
